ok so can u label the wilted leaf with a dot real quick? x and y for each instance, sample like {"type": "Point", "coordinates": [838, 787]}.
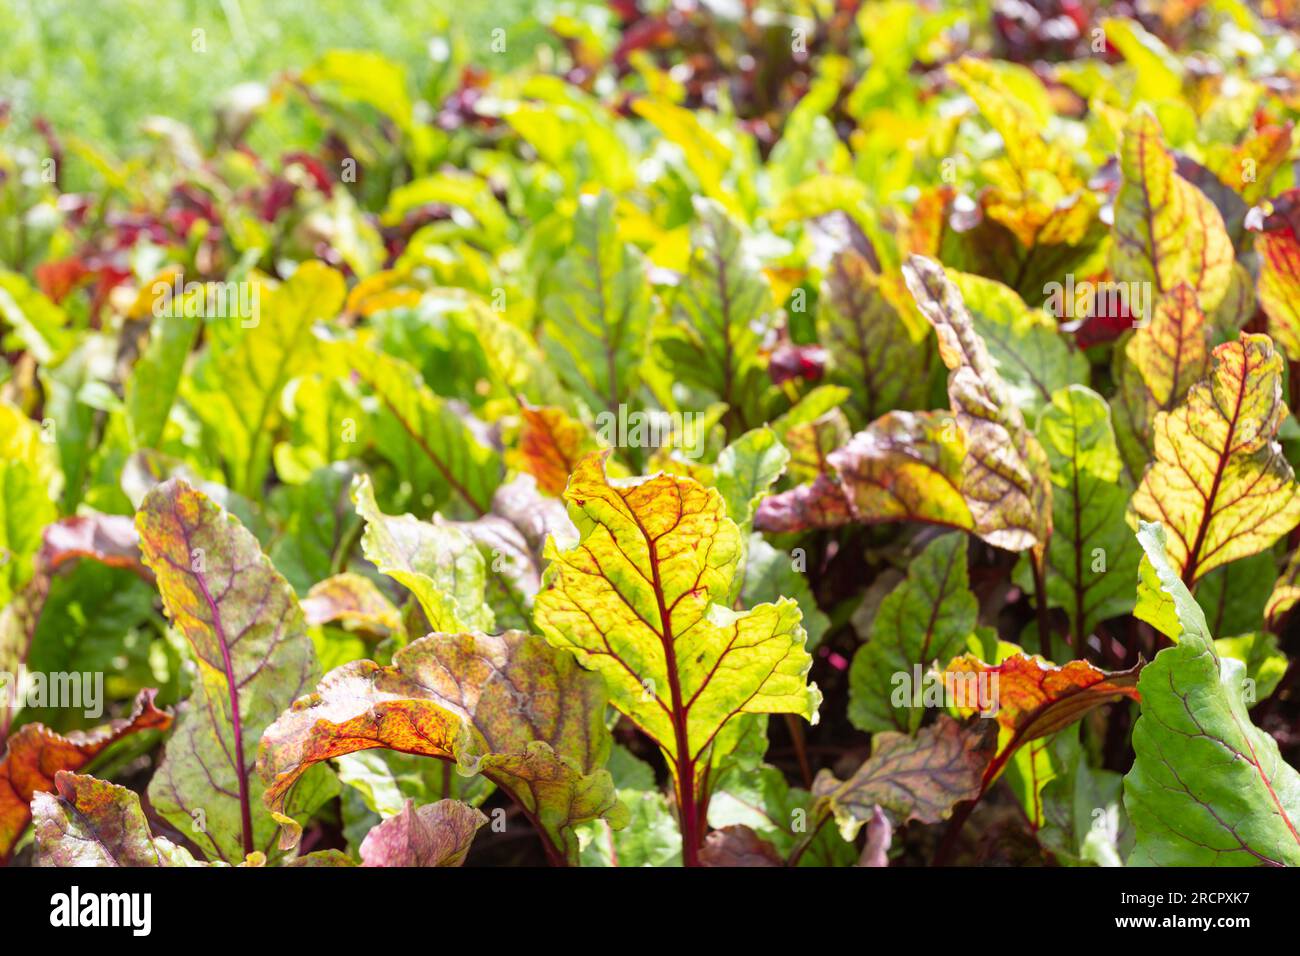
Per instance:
{"type": "Point", "coordinates": [904, 466]}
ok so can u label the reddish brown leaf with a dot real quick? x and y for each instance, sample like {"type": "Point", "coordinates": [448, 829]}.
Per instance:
{"type": "Point", "coordinates": [36, 753]}
{"type": "Point", "coordinates": [1034, 697]}
{"type": "Point", "coordinates": [738, 845]}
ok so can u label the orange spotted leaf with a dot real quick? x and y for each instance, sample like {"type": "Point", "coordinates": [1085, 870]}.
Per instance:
{"type": "Point", "coordinates": [525, 716]}
{"type": "Point", "coordinates": [550, 445]}
{"type": "Point", "coordinates": [36, 753]}
{"type": "Point", "coordinates": [1033, 697]}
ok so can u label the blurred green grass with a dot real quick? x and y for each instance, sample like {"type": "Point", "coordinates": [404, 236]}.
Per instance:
{"type": "Point", "coordinates": [96, 68]}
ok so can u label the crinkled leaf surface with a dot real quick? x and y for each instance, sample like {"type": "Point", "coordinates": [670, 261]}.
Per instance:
{"type": "Point", "coordinates": [1005, 479]}
{"type": "Point", "coordinates": [1029, 353]}
{"type": "Point", "coordinates": [508, 706]}
{"type": "Point", "coordinates": [90, 822]}
{"type": "Point", "coordinates": [248, 639]}
{"type": "Point", "coordinates": [1033, 697]}
{"type": "Point", "coordinates": [905, 466]}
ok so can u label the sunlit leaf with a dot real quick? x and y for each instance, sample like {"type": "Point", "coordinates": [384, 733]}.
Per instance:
{"type": "Point", "coordinates": [641, 600]}
{"type": "Point", "coordinates": [436, 562]}
{"type": "Point", "coordinates": [1166, 230]}
{"type": "Point", "coordinates": [598, 314]}
{"type": "Point", "coordinates": [1219, 483]}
